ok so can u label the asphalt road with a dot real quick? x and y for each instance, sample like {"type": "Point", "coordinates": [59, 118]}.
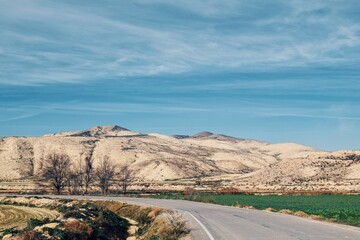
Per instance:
{"type": "Point", "coordinates": [215, 222]}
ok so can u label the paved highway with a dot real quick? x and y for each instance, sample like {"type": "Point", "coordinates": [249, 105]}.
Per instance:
{"type": "Point", "coordinates": [215, 222]}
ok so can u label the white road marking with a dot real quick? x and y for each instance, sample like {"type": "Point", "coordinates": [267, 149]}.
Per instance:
{"type": "Point", "coordinates": [202, 225]}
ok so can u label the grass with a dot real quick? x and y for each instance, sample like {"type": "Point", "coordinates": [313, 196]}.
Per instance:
{"type": "Point", "coordinates": [103, 220]}
{"type": "Point", "coordinates": [80, 220]}
{"type": "Point", "coordinates": [154, 223]}
{"type": "Point", "coordinates": [19, 216]}
{"type": "Point", "coordinates": [93, 222]}
{"type": "Point", "coordinates": [339, 208]}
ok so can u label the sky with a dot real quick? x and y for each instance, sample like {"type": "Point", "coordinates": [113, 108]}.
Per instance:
{"type": "Point", "coordinates": [276, 71]}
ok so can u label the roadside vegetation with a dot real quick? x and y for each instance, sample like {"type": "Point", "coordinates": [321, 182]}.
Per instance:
{"type": "Point", "coordinates": [93, 220]}
{"type": "Point", "coordinates": [337, 208]}
{"type": "Point", "coordinates": [152, 222]}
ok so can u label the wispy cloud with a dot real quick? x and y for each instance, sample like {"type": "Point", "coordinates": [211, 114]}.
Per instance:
{"type": "Point", "coordinates": [18, 117]}
{"type": "Point", "coordinates": [45, 42]}
{"type": "Point", "coordinates": [22, 111]}
{"type": "Point", "coordinates": [250, 65]}
{"type": "Point", "coordinates": [248, 108]}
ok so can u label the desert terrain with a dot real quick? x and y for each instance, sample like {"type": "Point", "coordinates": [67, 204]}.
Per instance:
{"type": "Point", "coordinates": [205, 161]}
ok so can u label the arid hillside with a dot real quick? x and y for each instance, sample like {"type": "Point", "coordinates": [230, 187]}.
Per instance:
{"type": "Point", "coordinates": [178, 161]}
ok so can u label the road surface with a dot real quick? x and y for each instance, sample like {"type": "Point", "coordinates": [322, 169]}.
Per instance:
{"type": "Point", "coordinates": [215, 222]}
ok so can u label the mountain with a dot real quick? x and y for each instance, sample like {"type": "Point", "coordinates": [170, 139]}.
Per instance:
{"type": "Point", "coordinates": [99, 131]}
{"type": "Point", "coordinates": [173, 162]}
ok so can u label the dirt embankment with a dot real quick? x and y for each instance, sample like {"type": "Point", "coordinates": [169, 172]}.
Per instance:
{"type": "Point", "coordinates": [44, 218]}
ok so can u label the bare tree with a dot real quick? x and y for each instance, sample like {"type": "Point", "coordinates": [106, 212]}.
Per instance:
{"type": "Point", "coordinates": [88, 173]}
{"type": "Point", "coordinates": [56, 168]}
{"type": "Point", "coordinates": [124, 177]}
{"type": "Point", "coordinates": [73, 182]}
{"type": "Point", "coordinates": [82, 175]}
{"type": "Point", "coordinates": [75, 177]}
{"type": "Point", "coordinates": [105, 173]}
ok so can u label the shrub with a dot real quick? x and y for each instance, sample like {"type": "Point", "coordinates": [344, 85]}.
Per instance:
{"type": "Point", "coordinates": [10, 231]}
{"type": "Point", "coordinates": [230, 190]}
{"type": "Point", "coordinates": [30, 235]}
{"type": "Point", "coordinates": [154, 237]}
{"type": "Point", "coordinates": [189, 191]}
{"type": "Point", "coordinates": [78, 228]}
{"type": "Point", "coordinates": [108, 225]}
{"type": "Point", "coordinates": [300, 214]}
{"type": "Point", "coordinates": [154, 223]}
{"type": "Point", "coordinates": [33, 222]}
{"type": "Point", "coordinates": [269, 209]}
{"type": "Point", "coordinates": [208, 200]}
{"type": "Point", "coordinates": [55, 232]}
{"type": "Point", "coordinates": [144, 216]}
{"type": "Point", "coordinates": [177, 226]}
{"type": "Point", "coordinates": [74, 214]}
{"type": "Point", "coordinates": [286, 211]}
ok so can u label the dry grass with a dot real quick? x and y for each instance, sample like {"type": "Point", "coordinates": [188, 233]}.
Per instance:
{"type": "Point", "coordinates": [304, 215]}
{"type": "Point", "coordinates": [228, 190]}
{"type": "Point", "coordinates": [152, 221]}
{"type": "Point", "coordinates": [18, 216]}
{"type": "Point", "coordinates": [243, 206]}
{"type": "Point", "coordinates": [286, 211]}
{"type": "Point", "coordinates": [168, 226]}
{"type": "Point", "coordinates": [140, 214]}
{"type": "Point", "coordinates": [269, 209]}
{"type": "Point", "coordinates": [145, 222]}
{"type": "Point", "coordinates": [78, 227]}
{"type": "Point", "coordinates": [301, 214]}
{"type": "Point", "coordinates": [29, 235]}
{"type": "Point", "coordinates": [316, 217]}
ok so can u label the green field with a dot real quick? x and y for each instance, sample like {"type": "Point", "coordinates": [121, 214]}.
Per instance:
{"type": "Point", "coordinates": [340, 208]}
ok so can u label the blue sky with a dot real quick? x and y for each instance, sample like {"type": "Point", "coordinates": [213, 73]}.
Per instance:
{"type": "Point", "coordinates": [278, 71]}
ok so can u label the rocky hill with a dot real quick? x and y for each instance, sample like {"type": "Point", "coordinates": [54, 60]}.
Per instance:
{"type": "Point", "coordinates": [180, 160]}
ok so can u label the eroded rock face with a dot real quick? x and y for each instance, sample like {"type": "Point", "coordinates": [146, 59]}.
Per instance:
{"type": "Point", "coordinates": [156, 157]}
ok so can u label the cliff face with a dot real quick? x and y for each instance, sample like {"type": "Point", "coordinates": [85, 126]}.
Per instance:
{"type": "Point", "coordinates": [156, 157]}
